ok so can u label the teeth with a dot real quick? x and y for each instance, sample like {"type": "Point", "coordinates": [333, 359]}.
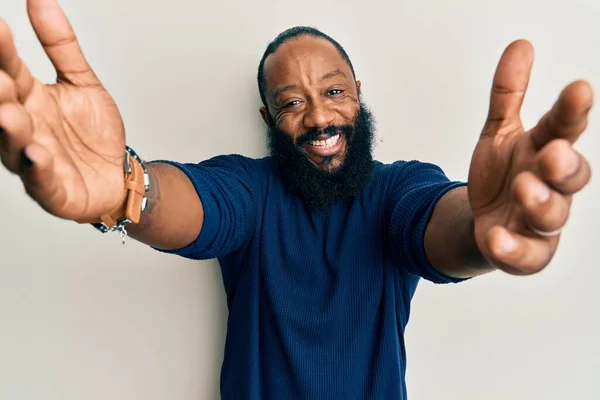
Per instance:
{"type": "Point", "coordinates": [325, 143]}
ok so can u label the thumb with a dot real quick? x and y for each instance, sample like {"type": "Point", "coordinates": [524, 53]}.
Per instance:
{"type": "Point", "coordinates": [510, 83]}
{"type": "Point", "coordinates": [58, 39]}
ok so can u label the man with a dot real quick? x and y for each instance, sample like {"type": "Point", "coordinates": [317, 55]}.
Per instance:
{"type": "Point", "coordinates": [321, 247]}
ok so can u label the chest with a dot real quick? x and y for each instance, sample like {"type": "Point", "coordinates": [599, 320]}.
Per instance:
{"type": "Point", "coordinates": [346, 247]}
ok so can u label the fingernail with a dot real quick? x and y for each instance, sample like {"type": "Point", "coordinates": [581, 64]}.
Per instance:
{"type": "Point", "coordinates": [508, 243]}
{"type": "Point", "coordinates": [572, 164]}
{"type": "Point", "coordinates": [26, 160]}
{"type": "Point", "coordinates": [541, 192]}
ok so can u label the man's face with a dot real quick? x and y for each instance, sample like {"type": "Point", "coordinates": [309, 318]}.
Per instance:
{"type": "Point", "coordinates": [310, 90]}
{"type": "Point", "coordinates": [319, 132]}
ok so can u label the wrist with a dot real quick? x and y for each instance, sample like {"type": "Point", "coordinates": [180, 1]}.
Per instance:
{"type": "Point", "coordinates": [470, 250]}
{"type": "Point", "coordinates": [134, 201]}
{"type": "Point", "coordinates": [451, 239]}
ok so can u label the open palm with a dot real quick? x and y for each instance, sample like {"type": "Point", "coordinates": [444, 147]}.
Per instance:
{"type": "Point", "coordinates": [521, 183]}
{"type": "Point", "coordinates": [65, 140]}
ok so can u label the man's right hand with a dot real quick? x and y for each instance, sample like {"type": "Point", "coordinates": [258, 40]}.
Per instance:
{"type": "Point", "coordinates": [66, 140]}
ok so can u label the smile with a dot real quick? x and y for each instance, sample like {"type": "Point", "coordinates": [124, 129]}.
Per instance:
{"type": "Point", "coordinates": [325, 143]}
{"type": "Point", "coordinates": [325, 147]}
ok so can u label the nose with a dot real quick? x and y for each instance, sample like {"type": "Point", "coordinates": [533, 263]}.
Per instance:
{"type": "Point", "coordinates": [318, 115]}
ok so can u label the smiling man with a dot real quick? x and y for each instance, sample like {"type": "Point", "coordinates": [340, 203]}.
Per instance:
{"type": "Point", "coordinates": [321, 247]}
{"type": "Point", "coordinates": [320, 135]}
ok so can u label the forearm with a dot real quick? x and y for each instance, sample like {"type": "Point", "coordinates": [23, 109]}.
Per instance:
{"type": "Point", "coordinates": [450, 238]}
{"type": "Point", "coordinates": [173, 216]}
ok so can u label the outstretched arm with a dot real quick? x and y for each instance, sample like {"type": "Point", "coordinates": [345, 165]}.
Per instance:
{"type": "Point", "coordinates": [66, 141]}
{"type": "Point", "coordinates": [521, 183]}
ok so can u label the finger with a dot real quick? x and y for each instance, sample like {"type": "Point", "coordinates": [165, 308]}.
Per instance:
{"type": "Point", "coordinates": [563, 168]}
{"type": "Point", "coordinates": [8, 89]}
{"type": "Point", "coordinates": [518, 254]}
{"type": "Point", "coordinates": [510, 83]}
{"type": "Point", "coordinates": [16, 134]}
{"type": "Point", "coordinates": [38, 177]}
{"type": "Point", "coordinates": [58, 39]}
{"type": "Point", "coordinates": [12, 65]}
{"type": "Point", "coordinates": [544, 208]}
{"type": "Point", "coordinates": [568, 117]}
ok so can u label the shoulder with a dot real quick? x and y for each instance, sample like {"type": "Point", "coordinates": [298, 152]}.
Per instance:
{"type": "Point", "coordinates": [234, 166]}
{"type": "Point", "coordinates": [237, 161]}
{"type": "Point", "coordinates": [403, 171]}
{"type": "Point", "coordinates": [226, 170]}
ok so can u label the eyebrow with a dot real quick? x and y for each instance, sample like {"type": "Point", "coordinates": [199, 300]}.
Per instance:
{"type": "Point", "coordinates": [329, 75]}
{"type": "Point", "coordinates": [278, 91]}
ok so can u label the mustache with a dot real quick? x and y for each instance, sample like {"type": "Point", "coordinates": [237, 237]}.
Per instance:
{"type": "Point", "coordinates": [331, 130]}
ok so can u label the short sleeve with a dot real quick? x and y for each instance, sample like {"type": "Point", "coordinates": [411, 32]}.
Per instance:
{"type": "Point", "coordinates": [415, 189]}
{"type": "Point", "coordinates": [228, 188]}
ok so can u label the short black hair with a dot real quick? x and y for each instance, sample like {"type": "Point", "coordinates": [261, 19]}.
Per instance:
{"type": "Point", "coordinates": [283, 37]}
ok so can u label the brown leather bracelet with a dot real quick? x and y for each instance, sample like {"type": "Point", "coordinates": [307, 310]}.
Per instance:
{"type": "Point", "coordinates": [137, 183]}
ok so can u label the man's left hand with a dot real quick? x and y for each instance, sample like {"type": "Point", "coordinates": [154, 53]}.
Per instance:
{"type": "Point", "coordinates": [521, 183]}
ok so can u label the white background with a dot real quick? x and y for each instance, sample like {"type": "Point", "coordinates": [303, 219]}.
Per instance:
{"type": "Point", "coordinates": [83, 317]}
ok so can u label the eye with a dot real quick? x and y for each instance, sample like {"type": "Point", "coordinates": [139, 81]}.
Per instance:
{"type": "Point", "coordinates": [335, 92]}
{"type": "Point", "coordinates": [291, 104]}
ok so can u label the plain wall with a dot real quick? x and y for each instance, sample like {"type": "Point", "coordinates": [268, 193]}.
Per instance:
{"type": "Point", "coordinates": [84, 317]}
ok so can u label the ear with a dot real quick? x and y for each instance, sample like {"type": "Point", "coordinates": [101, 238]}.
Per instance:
{"type": "Point", "coordinates": [358, 83]}
{"type": "Point", "coordinates": [264, 113]}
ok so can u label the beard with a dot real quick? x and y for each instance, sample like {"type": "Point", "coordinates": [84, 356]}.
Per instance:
{"type": "Point", "coordinates": [320, 188]}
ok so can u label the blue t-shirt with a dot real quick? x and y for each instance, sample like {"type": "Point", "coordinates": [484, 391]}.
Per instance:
{"type": "Point", "coordinates": [318, 300]}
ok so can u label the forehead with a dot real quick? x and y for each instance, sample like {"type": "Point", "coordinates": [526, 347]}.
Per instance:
{"type": "Point", "coordinates": [302, 58]}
